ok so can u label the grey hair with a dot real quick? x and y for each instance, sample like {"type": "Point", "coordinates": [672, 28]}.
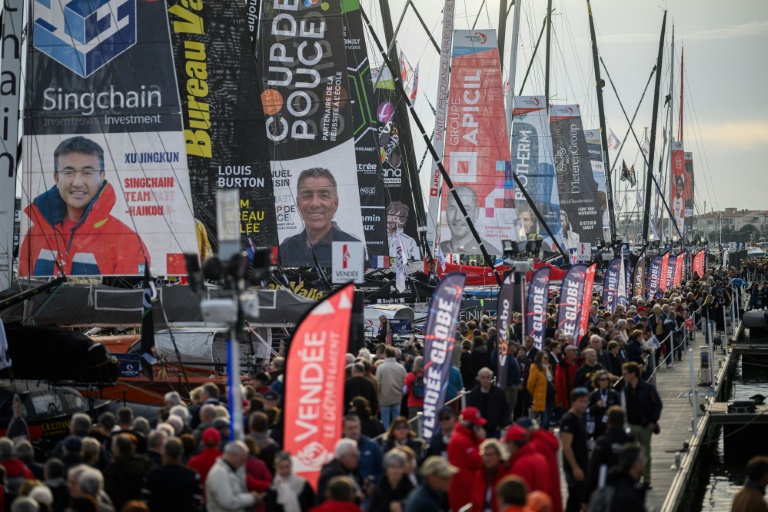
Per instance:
{"type": "Point", "coordinates": [91, 447]}
{"type": "Point", "coordinates": [6, 448]}
{"type": "Point", "coordinates": [81, 424]}
{"type": "Point", "coordinates": [156, 439]}
{"type": "Point", "coordinates": [24, 450]}
{"type": "Point", "coordinates": [282, 457]}
{"type": "Point", "coordinates": [588, 351]}
{"type": "Point", "coordinates": [141, 424]}
{"type": "Point", "coordinates": [394, 456]}
{"type": "Point", "coordinates": [177, 424]}
{"type": "Point", "coordinates": [208, 411]}
{"type": "Point", "coordinates": [91, 482]}
{"type": "Point", "coordinates": [621, 323]}
{"type": "Point", "coordinates": [344, 447]}
{"type": "Point", "coordinates": [24, 504]}
{"type": "Point", "coordinates": [180, 411]}
{"type": "Point", "coordinates": [174, 397]}
{"type": "Point", "coordinates": [236, 448]}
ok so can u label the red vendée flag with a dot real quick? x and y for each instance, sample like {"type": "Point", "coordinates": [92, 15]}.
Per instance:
{"type": "Point", "coordinates": [586, 301]}
{"type": "Point", "coordinates": [679, 269]}
{"type": "Point", "coordinates": [664, 270]}
{"type": "Point", "coordinates": [314, 384]}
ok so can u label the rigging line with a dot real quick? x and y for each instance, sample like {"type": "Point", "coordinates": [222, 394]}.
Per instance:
{"type": "Point", "coordinates": [533, 56]}
{"type": "Point", "coordinates": [692, 106]}
{"type": "Point", "coordinates": [443, 171]}
{"type": "Point", "coordinates": [476, 17]}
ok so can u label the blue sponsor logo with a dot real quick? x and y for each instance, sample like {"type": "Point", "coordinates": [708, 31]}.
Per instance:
{"type": "Point", "coordinates": [84, 35]}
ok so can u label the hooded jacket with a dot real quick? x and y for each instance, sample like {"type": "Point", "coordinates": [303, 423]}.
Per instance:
{"type": "Point", "coordinates": [464, 453]}
{"type": "Point", "coordinates": [564, 380]}
{"type": "Point", "coordinates": [99, 244]}
{"type": "Point", "coordinates": [546, 443]}
{"type": "Point", "coordinates": [531, 466]}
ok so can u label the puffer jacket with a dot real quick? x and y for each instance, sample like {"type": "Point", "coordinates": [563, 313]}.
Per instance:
{"type": "Point", "coordinates": [537, 387]}
{"type": "Point", "coordinates": [225, 489]}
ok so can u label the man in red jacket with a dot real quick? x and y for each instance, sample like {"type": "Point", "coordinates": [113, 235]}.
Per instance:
{"type": "Point", "coordinates": [204, 462]}
{"type": "Point", "coordinates": [526, 462]}
{"type": "Point", "coordinates": [74, 230]}
{"type": "Point", "coordinates": [565, 375]}
{"type": "Point", "coordinates": [547, 444]}
{"type": "Point", "coordinates": [464, 453]}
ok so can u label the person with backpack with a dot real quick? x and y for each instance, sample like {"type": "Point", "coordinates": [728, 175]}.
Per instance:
{"type": "Point", "coordinates": [625, 491]}
{"type": "Point", "coordinates": [414, 387]}
{"type": "Point", "coordinates": [491, 401]}
{"type": "Point", "coordinates": [606, 452]}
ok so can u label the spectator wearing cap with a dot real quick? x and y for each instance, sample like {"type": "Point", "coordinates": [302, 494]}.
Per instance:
{"type": "Point", "coordinates": [525, 460]}
{"type": "Point", "coordinates": [171, 486]}
{"type": "Point", "coordinates": [573, 435]}
{"type": "Point", "coordinates": [225, 487]}
{"type": "Point", "coordinates": [369, 465]}
{"type": "Point", "coordinates": [390, 375]}
{"type": "Point", "coordinates": [493, 470]}
{"type": "Point", "coordinates": [123, 478]}
{"type": "Point", "coordinates": [394, 486]}
{"type": "Point", "coordinates": [430, 496]}
{"type": "Point", "coordinates": [491, 401]}
{"type": "Point", "coordinates": [211, 451]}
{"type": "Point", "coordinates": [258, 429]}
{"type": "Point", "coordinates": [358, 385]}
{"type": "Point", "coordinates": [271, 399]}
{"type": "Point", "coordinates": [345, 463]}
{"type": "Point", "coordinates": [438, 445]}
{"type": "Point", "coordinates": [464, 453]}
{"type": "Point", "coordinates": [512, 494]}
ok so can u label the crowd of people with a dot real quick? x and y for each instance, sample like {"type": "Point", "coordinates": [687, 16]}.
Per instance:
{"type": "Point", "coordinates": [585, 408]}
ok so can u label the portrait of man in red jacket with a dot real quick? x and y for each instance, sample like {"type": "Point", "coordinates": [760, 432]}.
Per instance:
{"type": "Point", "coordinates": [73, 229]}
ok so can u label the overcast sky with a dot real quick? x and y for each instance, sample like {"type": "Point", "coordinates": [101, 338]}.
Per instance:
{"type": "Point", "coordinates": [726, 52]}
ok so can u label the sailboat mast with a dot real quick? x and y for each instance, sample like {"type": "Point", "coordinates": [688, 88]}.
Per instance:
{"type": "Point", "coordinates": [682, 55]}
{"type": "Point", "coordinates": [599, 83]}
{"type": "Point", "coordinates": [502, 30]}
{"type": "Point", "coordinates": [441, 109]}
{"type": "Point", "coordinates": [654, 122]}
{"type": "Point", "coordinates": [547, 59]}
{"type": "Point", "coordinates": [512, 66]}
{"type": "Point", "coordinates": [670, 121]}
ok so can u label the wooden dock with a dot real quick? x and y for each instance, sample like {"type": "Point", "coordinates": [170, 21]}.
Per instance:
{"type": "Point", "coordinates": [720, 415]}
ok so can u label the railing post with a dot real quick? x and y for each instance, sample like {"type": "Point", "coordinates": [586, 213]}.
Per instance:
{"type": "Point", "coordinates": [693, 394]}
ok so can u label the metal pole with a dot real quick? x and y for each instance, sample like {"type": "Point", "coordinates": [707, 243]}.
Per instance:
{"type": "Point", "coordinates": [546, 67]}
{"type": "Point", "coordinates": [671, 103]}
{"type": "Point", "coordinates": [512, 68]}
{"type": "Point", "coordinates": [711, 349]}
{"type": "Point", "coordinates": [694, 398]}
{"type": "Point", "coordinates": [502, 31]}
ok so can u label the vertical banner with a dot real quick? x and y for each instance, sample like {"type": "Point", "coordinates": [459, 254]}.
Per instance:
{"type": "Point", "coordinates": [689, 196]}
{"type": "Point", "coordinates": [655, 273]}
{"type": "Point", "coordinates": [698, 262]}
{"type": "Point", "coordinates": [314, 382]}
{"type": "Point", "coordinates": [594, 146]}
{"type": "Point", "coordinates": [476, 151]}
{"type": "Point", "coordinates": [580, 204]}
{"type": "Point", "coordinates": [571, 299]}
{"type": "Point", "coordinates": [226, 140]}
{"type": "Point", "coordinates": [532, 162]}
{"type": "Point", "coordinates": [679, 266]}
{"type": "Point", "coordinates": [376, 219]}
{"type": "Point", "coordinates": [678, 186]}
{"type": "Point", "coordinates": [671, 271]}
{"type": "Point", "coordinates": [536, 306]}
{"type": "Point", "coordinates": [611, 285]}
{"type": "Point", "coordinates": [504, 309]}
{"type": "Point", "coordinates": [106, 184]}
{"type": "Point", "coordinates": [307, 103]}
{"type": "Point", "coordinates": [439, 341]}
{"type": "Point", "coordinates": [664, 279]}
{"type": "Point", "coordinates": [624, 280]}
{"type": "Point", "coordinates": [586, 303]}
{"type": "Point", "coordinates": [10, 92]}
{"type": "Point", "coordinates": [638, 278]}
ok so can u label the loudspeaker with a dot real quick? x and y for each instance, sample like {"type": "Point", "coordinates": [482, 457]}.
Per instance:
{"type": "Point", "coordinates": [357, 324]}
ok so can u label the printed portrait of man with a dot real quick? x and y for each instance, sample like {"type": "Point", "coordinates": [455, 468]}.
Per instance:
{"type": "Point", "coordinates": [678, 201]}
{"type": "Point", "coordinates": [73, 229]}
{"type": "Point", "coordinates": [317, 200]}
{"type": "Point", "coordinates": [397, 216]}
{"type": "Point", "coordinates": [462, 241]}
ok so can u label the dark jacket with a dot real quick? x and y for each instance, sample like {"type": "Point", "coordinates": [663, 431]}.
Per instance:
{"type": "Point", "coordinates": [383, 494]}
{"type": "Point", "coordinates": [123, 478]}
{"type": "Point", "coordinates": [481, 358]}
{"type": "Point", "coordinates": [606, 453]}
{"type": "Point", "coordinates": [629, 495]}
{"type": "Point", "coordinates": [750, 498]}
{"type": "Point", "coordinates": [598, 413]}
{"type": "Point", "coordinates": [496, 410]}
{"type": "Point", "coordinates": [414, 443]}
{"type": "Point", "coordinates": [635, 352]}
{"type": "Point", "coordinates": [172, 487]}
{"type": "Point", "coordinates": [584, 375]}
{"type": "Point", "coordinates": [466, 369]}
{"type": "Point", "coordinates": [331, 469]}
{"type": "Point", "coordinates": [643, 404]}
{"type": "Point", "coordinates": [424, 499]}
{"type": "Point", "coordinates": [360, 386]}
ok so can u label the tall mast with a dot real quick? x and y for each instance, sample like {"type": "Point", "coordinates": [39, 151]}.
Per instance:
{"type": "Point", "coordinates": [654, 122]}
{"type": "Point", "coordinates": [502, 30]}
{"type": "Point", "coordinates": [443, 79]}
{"type": "Point", "coordinates": [682, 55]}
{"type": "Point", "coordinates": [599, 83]}
{"type": "Point", "coordinates": [511, 70]}
{"type": "Point", "coordinates": [670, 118]}
{"type": "Point", "coordinates": [546, 71]}
{"type": "Point", "coordinates": [406, 140]}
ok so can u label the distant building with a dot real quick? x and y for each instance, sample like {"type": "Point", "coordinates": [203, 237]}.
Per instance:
{"type": "Point", "coordinates": [737, 225]}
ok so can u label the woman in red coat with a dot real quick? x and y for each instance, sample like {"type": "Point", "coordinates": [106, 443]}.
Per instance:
{"type": "Point", "coordinates": [493, 470]}
{"type": "Point", "coordinates": [414, 387]}
{"type": "Point", "coordinates": [464, 453]}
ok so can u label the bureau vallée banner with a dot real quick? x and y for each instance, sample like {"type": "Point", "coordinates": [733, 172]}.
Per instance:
{"type": "Point", "coordinates": [688, 194]}
{"type": "Point", "coordinates": [306, 99]}
{"type": "Point", "coordinates": [476, 153]}
{"type": "Point", "coordinates": [532, 163]}
{"type": "Point", "coordinates": [375, 216]}
{"type": "Point", "coordinates": [106, 184]}
{"type": "Point", "coordinates": [536, 306]}
{"type": "Point", "coordinates": [439, 341]}
{"type": "Point", "coordinates": [580, 205]}
{"type": "Point", "coordinates": [594, 146]}
{"type": "Point", "coordinates": [679, 185]}
{"type": "Point", "coordinates": [224, 125]}
{"type": "Point", "coordinates": [314, 381]}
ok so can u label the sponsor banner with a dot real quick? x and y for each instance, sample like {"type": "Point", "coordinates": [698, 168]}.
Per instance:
{"type": "Point", "coordinates": [571, 300]}
{"type": "Point", "coordinates": [314, 381]}
{"type": "Point", "coordinates": [664, 279]}
{"type": "Point", "coordinates": [638, 278]}
{"type": "Point", "coordinates": [688, 196]}
{"type": "Point", "coordinates": [698, 262]}
{"type": "Point", "coordinates": [680, 265]}
{"type": "Point", "coordinates": [580, 204]}
{"type": "Point", "coordinates": [532, 162]}
{"type": "Point", "coordinates": [594, 147]}
{"type": "Point", "coordinates": [225, 139]}
{"type": "Point", "coordinates": [536, 307]}
{"type": "Point", "coordinates": [391, 148]}
{"type": "Point", "coordinates": [439, 341]}
{"type": "Point", "coordinates": [105, 102]}
{"type": "Point", "coordinates": [586, 303]}
{"type": "Point", "coordinates": [678, 185]}
{"type": "Point", "coordinates": [671, 271]}
{"type": "Point", "coordinates": [625, 277]}
{"type": "Point", "coordinates": [253, 8]}
{"type": "Point", "coordinates": [476, 150]}
{"type": "Point", "coordinates": [611, 285]}
{"type": "Point", "coordinates": [307, 103]}
{"type": "Point", "coordinates": [376, 218]}
{"type": "Point", "coordinates": [655, 276]}
{"type": "Point", "coordinates": [348, 263]}
{"type": "Point", "coordinates": [504, 310]}
{"type": "Point", "coordinates": [10, 92]}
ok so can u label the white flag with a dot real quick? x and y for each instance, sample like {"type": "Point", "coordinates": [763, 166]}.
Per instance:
{"type": "Point", "coordinates": [5, 361]}
{"type": "Point", "coordinates": [613, 141]}
{"type": "Point", "coordinates": [646, 147]}
{"type": "Point", "coordinates": [400, 270]}
{"type": "Point", "coordinates": [441, 258]}
{"type": "Point", "coordinates": [638, 199]}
